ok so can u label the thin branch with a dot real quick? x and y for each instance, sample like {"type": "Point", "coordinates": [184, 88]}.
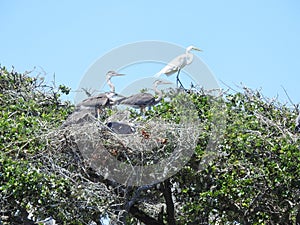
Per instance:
{"type": "Point", "coordinates": [296, 106]}
{"type": "Point", "coordinates": [143, 217]}
{"type": "Point", "coordinates": [229, 87]}
{"type": "Point", "coordinates": [167, 193]}
{"type": "Point", "coordinates": [87, 92]}
{"type": "Point", "coordinates": [137, 195]}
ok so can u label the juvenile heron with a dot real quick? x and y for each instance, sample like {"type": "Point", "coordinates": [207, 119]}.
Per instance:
{"type": "Point", "coordinates": [142, 100]}
{"type": "Point", "coordinates": [102, 100]}
{"type": "Point", "coordinates": [85, 109]}
{"type": "Point", "coordinates": [121, 128]}
{"type": "Point", "coordinates": [178, 63]}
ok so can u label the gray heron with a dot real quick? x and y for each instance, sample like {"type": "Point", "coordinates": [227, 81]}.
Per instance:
{"type": "Point", "coordinates": [121, 128]}
{"type": "Point", "coordinates": [178, 63]}
{"type": "Point", "coordinates": [102, 100]}
{"type": "Point", "coordinates": [142, 100]}
{"type": "Point", "coordinates": [85, 109]}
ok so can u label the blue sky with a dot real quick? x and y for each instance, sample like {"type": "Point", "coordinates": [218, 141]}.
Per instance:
{"type": "Point", "coordinates": [254, 42]}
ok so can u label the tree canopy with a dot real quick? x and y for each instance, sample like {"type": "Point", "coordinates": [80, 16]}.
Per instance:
{"type": "Point", "coordinates": [252, 178]}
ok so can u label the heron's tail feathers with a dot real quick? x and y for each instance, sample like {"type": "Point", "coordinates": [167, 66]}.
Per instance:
{"type": "Point", "coordinates": [118, 101]}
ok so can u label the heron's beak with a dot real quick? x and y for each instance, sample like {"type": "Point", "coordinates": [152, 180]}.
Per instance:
{"type": "Point", "coordinates": [118, 95]}
{"type": "Point", "coordinates": [119, 74]}
{"type": "Point", "coordinates": [198, 49]}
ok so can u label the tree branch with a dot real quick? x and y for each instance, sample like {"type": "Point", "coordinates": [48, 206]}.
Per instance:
{"type": "Point", "coordinates": [166, 190]}
{"type": "Point", "coordinates": [136, 196]}
{"type": "Point", "coordinates": [143, 217]}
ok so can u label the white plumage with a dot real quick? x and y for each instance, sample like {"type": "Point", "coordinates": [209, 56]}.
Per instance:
{"type": "Point", "coordinates": [178, 63]}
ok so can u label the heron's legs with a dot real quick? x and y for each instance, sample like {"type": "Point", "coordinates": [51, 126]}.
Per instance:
{"type": "Point", "coordinates": [97, 112]}
{"type": "Point", "coordinates": [178, 80]}
{"type": "Point", "coordinates": [142, 109]}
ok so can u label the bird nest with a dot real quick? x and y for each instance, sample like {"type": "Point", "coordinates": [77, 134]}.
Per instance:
{"type": "Point", "coordinates": [151, 143]}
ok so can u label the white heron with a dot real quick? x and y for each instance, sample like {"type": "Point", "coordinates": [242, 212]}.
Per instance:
{"type": "Point", "coordinates": [178, 63]}
{"type": "Point", "coordinates": [142, 100]}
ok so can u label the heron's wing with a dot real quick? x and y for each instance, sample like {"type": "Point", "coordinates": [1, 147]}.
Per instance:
{"type": "Point", "coordinates": [173, 66]}
{"type": "Point", "coordinates": [141, 99]}
{"type": "Point", "coordinates": [81, 116]}
{"type": "Point", "coordinates": [99, 100]}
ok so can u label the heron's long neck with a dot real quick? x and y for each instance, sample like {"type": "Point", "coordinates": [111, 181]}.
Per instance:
{"type": "Point", "coordinates": [110, 84]}
{"type": "Point", "coordinates": [159, 93]}
{"type": "Point", "coordinates": [189, 56]}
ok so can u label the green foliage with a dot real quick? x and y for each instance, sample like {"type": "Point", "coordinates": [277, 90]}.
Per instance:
{"type": "Point", "coordinates": [253, 180]}
{"type": "Point", "coordinates": [29, 109]}
{"type": "Point", "coordinates": [256, 180]}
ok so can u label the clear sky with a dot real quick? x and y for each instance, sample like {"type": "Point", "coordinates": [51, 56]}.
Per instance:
{"type": "Point", "coordinates": [251, 41]}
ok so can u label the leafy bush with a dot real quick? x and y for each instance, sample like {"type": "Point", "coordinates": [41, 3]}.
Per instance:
{"type": "Point", "coordinates": [254, 177]}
